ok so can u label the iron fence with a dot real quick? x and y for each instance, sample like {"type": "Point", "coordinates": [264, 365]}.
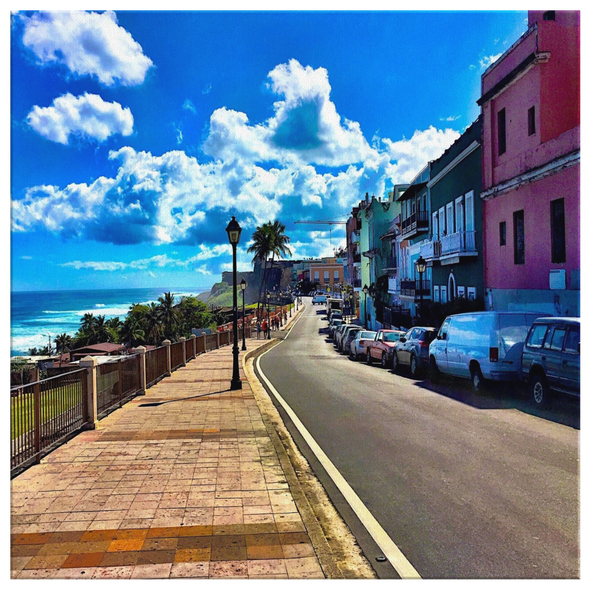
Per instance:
{"type": "Point", "coordinates": [44, 413]}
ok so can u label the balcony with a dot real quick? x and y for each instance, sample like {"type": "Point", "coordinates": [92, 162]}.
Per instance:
{"type": "Point", "coordinates": [355, 237]}
{"type": "Point", "coordinates": [356, 258]}
{"type": "Point", "coordinates": [414, 224]}
{"type": "Point", "coordinates": [412, 289]}
{"type": "Point", "coordinates": [453, 245]}
{"type": "Point", "coordinates": [390, 264]}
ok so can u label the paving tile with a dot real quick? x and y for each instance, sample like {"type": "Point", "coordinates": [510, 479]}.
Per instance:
{"type": "Point", "coordinates": [82, 560]}
{"type": "Point", "coordinates": [155, 557]}
{"type": "Point", "coordinates": [151, 571]}
{"type": "Point", "coordinates": [228, 569]}
{"type": "Point", "coordinates": [119, 559]}
{"type": "Point", "coordinates": [113, 573]}
{"type": "Point", "coordinates": [267, 568]}
{"type": "Point", "coordinates": [196, 569]}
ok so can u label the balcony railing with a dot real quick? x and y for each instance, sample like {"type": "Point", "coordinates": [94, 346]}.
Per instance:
{"type": "Point", "coordinates": [412, 288]}
{"type": "Point", "coordinates": [418, 221]}
{"type": "Point", "coordinates": [390, 263]}
{"type": "Point", "coordinates": [454, 244]}
{"type": "Point", "coordinates": [356, 257]}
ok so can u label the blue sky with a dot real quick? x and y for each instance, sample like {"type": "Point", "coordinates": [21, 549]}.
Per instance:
{"type": "Point", "coordinates": [135, 136]}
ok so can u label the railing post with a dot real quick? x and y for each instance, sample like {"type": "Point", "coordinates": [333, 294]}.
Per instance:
{"type": "Point", "coordinates": [183, 340]}
{"type": "Point", "coordinates": [193, 339]}
{"type": "Point", "coordinates": [37, 415]}
{"type": "Point", "coordinates": [141, 350]}
{"type": "Point", "coordinates": [167, 344]}
{"type": "Point", "coordinates": [89, 363]}
{"type": "Point", "coordinates": [120, 381]}
{"type": "Point", "coordinates": [218, 344]}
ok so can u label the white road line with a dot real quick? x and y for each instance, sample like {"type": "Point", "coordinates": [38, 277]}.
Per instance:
{"type": "Point", "coordinates": [397, 559]}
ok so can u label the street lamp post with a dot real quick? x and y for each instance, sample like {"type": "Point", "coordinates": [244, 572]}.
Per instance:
{"type": "Point", "coordinates": [233, 231]}
{"type": "Point", "coordinates": [365, 291]}
{"type": "Point", "coordinates": [421, 269]}
{"type": "Point", "coordinates": [243, 288]}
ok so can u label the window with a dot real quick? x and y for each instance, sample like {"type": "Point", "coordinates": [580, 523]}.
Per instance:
{"type": "Point", "coordinates": [460, 291]}
{"type": "Point", "coordinates": [502, 233]}
{"type": "Point", "coordinates": [537, 335]}
{"type": "Point", "coordinates": [531, 117]}
{"type": "Point", "coordinates": [471, 293]}
{"type": "Point", "coordinates": [443, 293]}
{"type": "Point", "coordinates": [336, 276]}
{"type": "Point", "coordinates": [501, 131]}
{"type": "Point", "coordinates": [557, 231]}
{"type": "Point", "coordinates": [316, 275]}
{"type": "Point", "coordinates": [518, 220]}
{"type": "Point", "coordinates": [326, 276]}
{"type": "Point", "coordinates": [558, 338]}
{"type": "Point", "coordinates": [549, 15]}
{"type": "Point", "coordinates": [436, 292]}
{"type": "Point", "coordinates": [572, 341]}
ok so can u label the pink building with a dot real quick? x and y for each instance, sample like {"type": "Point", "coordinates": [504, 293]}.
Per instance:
{"type": "Point", "coordinates": [531, 169]}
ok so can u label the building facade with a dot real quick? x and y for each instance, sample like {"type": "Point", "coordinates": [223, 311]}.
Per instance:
{"type": "Point", "coordinates": [531, 169]}
{"type": "Point", "coordinates": [454, 250]}
{"type": "Point", "coordinates": [414, 233]}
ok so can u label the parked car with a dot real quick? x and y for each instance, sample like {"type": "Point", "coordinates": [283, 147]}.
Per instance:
{"type": "Point", "coordinates": [381, 348]}
{"type": "Point", "coordinates": [481, 345]}
{"type": "Point", "coordinates": [551, 358]}
{"type": "Point", "coordinates": [412, 350]}
{"type": "Point", "coordinates": [334, 315]}
{"type": "Point", "coordinates": [347, 340]}
{"type": "Point", "coordinates": [358, 347]}
{"type": "Point", "coordinates": [341, 335]}
{"type": "Point", "coordinates": [318, 299]}
{"type": "Point", "coordinates": [334, 323]}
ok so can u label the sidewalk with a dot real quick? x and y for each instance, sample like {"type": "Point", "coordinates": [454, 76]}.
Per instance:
{"type": "Point", "coordinates": [184, 482]}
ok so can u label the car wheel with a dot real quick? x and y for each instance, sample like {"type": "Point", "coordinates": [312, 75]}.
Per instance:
{"type": "Point", "coordinates": [540, 390]}
{"type": "Point", "coordinates": [394, 363]}
{"type": "Point", "coordinates": [413, 366]}
{"type": "Point", "coordinates": [476, 378]}
{"type": "Point", "coordinates": [369, 359]}
{"type": "Point", "coordinates": [384, 361]}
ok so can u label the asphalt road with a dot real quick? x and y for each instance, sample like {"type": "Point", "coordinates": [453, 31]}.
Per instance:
{"type": "Point", "coordinates": [466, 485]}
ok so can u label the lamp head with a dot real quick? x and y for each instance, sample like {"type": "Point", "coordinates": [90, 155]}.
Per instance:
{"type": "Point", "coordinates": [233, 230]}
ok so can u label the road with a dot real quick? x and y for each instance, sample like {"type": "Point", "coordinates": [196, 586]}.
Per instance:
{"type": "Point", "coordinates": [466, 485]}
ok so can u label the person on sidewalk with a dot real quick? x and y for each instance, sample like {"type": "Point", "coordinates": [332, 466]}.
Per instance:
{"type": "Point", "coordinates": [265, 328]}
{"type": "Point", "coordinates": [258, 329]}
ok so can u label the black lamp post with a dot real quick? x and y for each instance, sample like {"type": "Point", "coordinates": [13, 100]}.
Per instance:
{"type": "Point", "coordinates": [243, 288]}
{"type": "Point", "coordinates": [233, 231]}
{"type": "Point", "coordinates": [421, 269]}
{"type": "Point", "coordinates": [365, 291]}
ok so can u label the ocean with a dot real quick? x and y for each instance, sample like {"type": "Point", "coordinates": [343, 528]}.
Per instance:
{"type": "Point", "coordinates": [37, 316]}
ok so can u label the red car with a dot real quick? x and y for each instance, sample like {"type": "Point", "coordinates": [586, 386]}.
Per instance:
{"type": "Point", "coordinates": [382, 348]}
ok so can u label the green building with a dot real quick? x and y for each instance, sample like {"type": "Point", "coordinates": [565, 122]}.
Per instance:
{"type": "Point", "coordinates": [454, 248]}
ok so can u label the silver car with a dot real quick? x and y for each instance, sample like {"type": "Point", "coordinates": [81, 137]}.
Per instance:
{"type": "Point", "coordinates": [358, 347]}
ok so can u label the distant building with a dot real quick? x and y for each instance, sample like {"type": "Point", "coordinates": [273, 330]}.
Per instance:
{"type": "Point", "coordinates": [531, 169]}
{"type": "Point", "coordinates": [101, 349]}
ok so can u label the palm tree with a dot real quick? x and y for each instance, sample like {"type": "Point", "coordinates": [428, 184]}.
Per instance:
{"type": "Point", "coordinates": [269, 241]}
{"type": "Point", "coordinates": [279, 248]}
{"type": "Point", "coordinates": [168, 314]}
{"type": "Point", "coordinates": [63, 343]}
{"type": "Point", "coordinates": [261, 247]}
{"type": "Point", "coordinates": [151, 322]}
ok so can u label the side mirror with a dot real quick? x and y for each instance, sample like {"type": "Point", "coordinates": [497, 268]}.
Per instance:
{"type": "Point", "coordinates": [402, 339]}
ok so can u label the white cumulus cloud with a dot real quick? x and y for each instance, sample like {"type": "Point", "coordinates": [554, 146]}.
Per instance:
{"type": "Point", "coordinates": [87, 116]}
{"type": "Point", "coordinates": [88, 44]}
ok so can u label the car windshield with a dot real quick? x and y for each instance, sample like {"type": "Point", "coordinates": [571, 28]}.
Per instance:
{"type": "Point", "coordinates": [391, 337]}
{"type": "Point", "coordinates": [429, 336]}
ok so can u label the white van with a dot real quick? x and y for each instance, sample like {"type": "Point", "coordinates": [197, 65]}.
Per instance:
{"type": "Point", "coordinates": [481, 345]}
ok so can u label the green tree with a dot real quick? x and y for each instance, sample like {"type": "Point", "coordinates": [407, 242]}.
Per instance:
{"type": "Point", "coordinates": [269, 242]}
{"type": "Point", "coordinates": [168, 315]}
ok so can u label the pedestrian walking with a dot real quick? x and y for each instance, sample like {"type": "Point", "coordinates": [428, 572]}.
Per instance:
{"type": "Point", "coordinates": [258, 329]}
{"type": "Point", "coordinates": [265, 328]}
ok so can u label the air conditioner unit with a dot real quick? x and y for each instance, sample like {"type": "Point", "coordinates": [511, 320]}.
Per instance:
{"type": "Point", "coordinates": [557, 279]}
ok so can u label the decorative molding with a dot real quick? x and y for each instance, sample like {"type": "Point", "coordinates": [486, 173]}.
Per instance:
{"type": "Point", "coordinates": [539, 173]}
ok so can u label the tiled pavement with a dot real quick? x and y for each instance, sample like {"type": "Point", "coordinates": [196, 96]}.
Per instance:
{"type": "Point", "coordinates": [181, 482]}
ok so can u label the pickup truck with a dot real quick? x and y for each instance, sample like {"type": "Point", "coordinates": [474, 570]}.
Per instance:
{"type": "Point", "coordinates": [382, 348]}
